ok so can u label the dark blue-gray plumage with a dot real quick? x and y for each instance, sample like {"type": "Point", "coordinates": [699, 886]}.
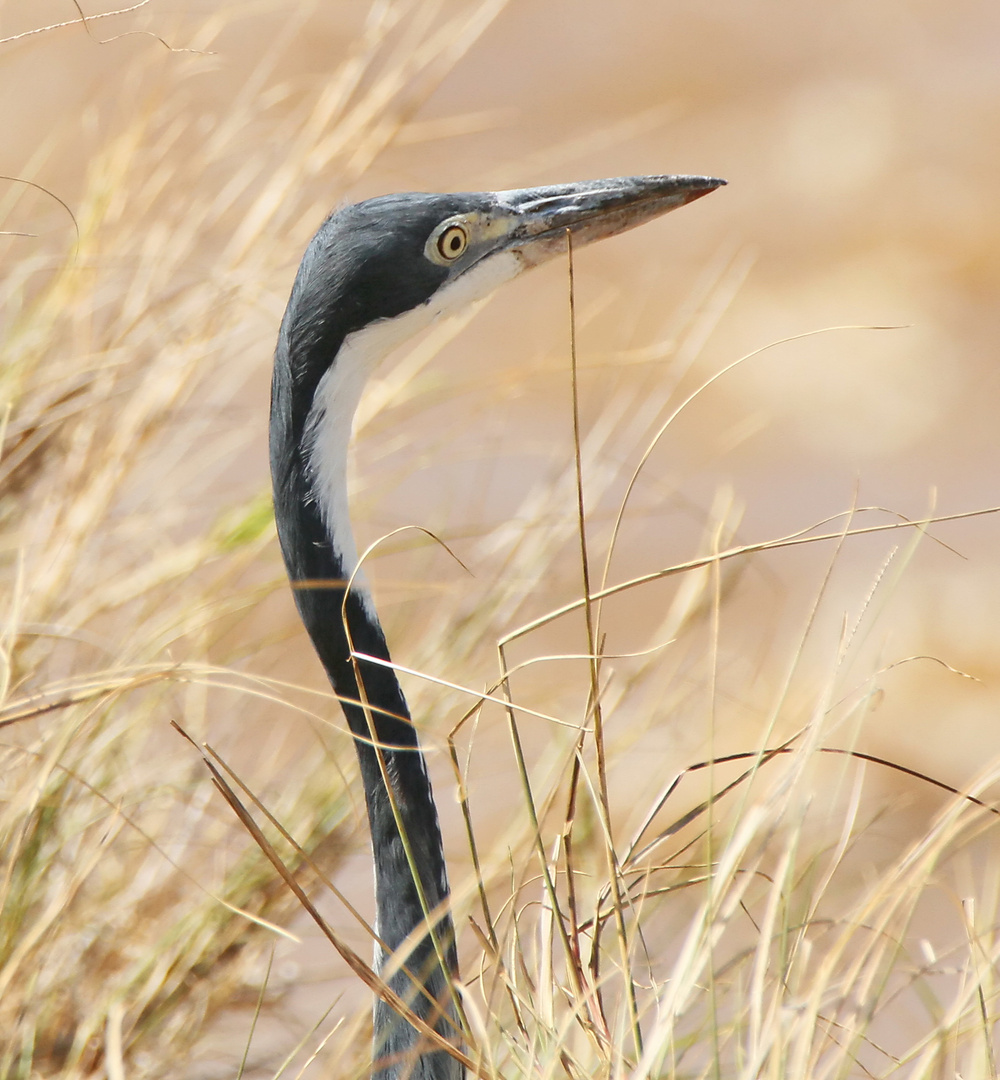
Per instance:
{"type": "Point", "coordinates": [374, 274]}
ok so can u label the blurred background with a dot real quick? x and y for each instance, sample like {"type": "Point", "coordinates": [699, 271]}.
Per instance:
{"type": "Point", "coordinates": [855, 254]}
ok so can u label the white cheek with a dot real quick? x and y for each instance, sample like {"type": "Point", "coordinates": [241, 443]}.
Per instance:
{"type": "Point", "coordinates": [473, 285]}
{"type": "Point", "coordinates": [328, 426]}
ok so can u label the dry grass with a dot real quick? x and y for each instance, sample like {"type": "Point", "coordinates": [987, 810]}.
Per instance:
{"type": "Point", "coordinates": [621, 914]}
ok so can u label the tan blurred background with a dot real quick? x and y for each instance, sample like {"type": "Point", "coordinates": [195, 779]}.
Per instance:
{"type": "Point", "coordinates": [860, 142]}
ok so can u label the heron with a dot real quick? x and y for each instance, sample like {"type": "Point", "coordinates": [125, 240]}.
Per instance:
{"type": "Point", "coordinates": [376, 273]}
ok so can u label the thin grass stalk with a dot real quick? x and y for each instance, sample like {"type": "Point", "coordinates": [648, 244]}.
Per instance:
{"type": "Point", "coordinates": [595, 691]}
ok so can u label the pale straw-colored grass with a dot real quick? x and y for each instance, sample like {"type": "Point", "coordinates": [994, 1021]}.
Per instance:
{"type": "Point", "coordinates": [622, 912]}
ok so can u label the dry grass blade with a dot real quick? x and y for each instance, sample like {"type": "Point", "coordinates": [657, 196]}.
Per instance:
{"type": "Point", "coordinates": [795, 539]}
{"type": "Point", "coordinates": [592, 622]}
{"type": "Point", "coordinates": [364, 971]}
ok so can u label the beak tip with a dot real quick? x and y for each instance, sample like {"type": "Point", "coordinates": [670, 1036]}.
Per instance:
{"type": "Point", "coordinates": [702, 185]}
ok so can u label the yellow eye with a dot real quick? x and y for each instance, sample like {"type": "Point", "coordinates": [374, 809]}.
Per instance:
{"type": "Point", "coordinates": [452, 242]}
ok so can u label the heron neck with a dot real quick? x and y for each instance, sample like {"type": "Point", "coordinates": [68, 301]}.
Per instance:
{"type": "Point", "coordinates": [318, 548]}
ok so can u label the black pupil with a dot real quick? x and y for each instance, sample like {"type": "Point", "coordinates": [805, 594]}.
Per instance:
{"type": "Point", "coordinates": [454, 241]}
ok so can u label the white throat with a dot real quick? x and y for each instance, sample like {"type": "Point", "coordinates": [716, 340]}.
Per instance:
{"type": "Point", "coordinates": [331, 418]}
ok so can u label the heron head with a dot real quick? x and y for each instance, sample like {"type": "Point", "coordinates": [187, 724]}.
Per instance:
{"type": "Point", "coordinates": [385, 256]}
{"type": "Point", "coordinates": [379, 271]}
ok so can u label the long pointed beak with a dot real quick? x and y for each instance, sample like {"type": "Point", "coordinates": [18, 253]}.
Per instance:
{"type": "Point", "coordinates": [592, 210]}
